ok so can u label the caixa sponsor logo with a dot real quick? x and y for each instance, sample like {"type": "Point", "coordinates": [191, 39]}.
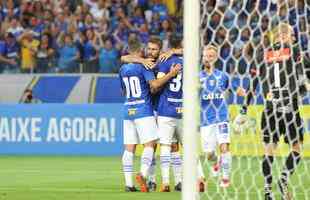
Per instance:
{"type": "Point", "coordinates": [213, 96]}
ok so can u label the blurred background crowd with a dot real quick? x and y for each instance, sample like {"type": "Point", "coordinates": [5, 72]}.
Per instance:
{"type": "Point", "coordinates": [89, 36]}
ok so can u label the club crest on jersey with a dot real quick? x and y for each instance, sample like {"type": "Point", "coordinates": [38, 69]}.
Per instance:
{"type": "Point", "coordinates": [212, 82]}
{"type": "Point", "coordinates": [132, 111]}
{"type": "Point", "coordinates": [213, 96]}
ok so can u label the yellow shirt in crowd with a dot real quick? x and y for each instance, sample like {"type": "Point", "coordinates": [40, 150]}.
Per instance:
{"type": "Point", "coordinates": [171, 5]}
{"type": "Point", "coordinates": [28, 51]}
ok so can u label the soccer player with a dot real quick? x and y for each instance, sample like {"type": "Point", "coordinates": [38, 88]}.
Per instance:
{"type": "Point", "coordinates": [150, 61]}
{"type": "Point", "coordinates": [282, 76]}
{"type": "Point", "coordinates": [214, 112]}
{"type": "Point", "coordinates": [139, 122]}
{"type": "Point", "coordinates": [169, 115]}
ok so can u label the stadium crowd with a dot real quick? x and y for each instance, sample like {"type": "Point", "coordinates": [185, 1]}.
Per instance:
{"type": "Point", "coordinates": [89, 36]}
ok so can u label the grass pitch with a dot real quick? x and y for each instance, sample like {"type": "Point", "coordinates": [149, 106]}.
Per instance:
{"type": "Point", "coordinates": [100, 178]}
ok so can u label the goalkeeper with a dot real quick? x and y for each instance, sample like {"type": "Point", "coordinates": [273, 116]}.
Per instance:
{"type": "Point", "coordinates": [282, 76]}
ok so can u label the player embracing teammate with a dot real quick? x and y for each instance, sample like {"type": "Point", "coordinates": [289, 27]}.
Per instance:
{"type": "Point", "coordinates": [214, 124]}
{"type": "Point", "coordinates": [139, 121]}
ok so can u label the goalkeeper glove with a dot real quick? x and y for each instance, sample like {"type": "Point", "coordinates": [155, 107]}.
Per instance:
{"type": "Point", "coordinates": [244, 110]}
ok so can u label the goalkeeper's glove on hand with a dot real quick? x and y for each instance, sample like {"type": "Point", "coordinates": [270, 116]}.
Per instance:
{"type": "Point", "coordinates": [244, 110]}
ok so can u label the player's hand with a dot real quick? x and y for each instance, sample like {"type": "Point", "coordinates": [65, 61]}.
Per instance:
{"type": "Point", "coordinates": [244, 110]}
{"type": "Point", "coordinates": [149, 63]}
{"type": "Point", "coordinates": [175, 69]}
{"type": "Point", "coordinates": [12, 62]}
{"type": "Point", "coordinates": [241, 91]}
{"type": "Point", "coordinates": [164, 56]}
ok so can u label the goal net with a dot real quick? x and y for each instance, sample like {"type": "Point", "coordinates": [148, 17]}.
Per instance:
{"type": "Point", "coordinates": [247, 36]}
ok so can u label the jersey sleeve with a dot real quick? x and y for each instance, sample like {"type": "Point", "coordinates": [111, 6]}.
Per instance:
{"type": "Point", "coordinates": [265, 86]}
{"type": "Point", "coordinates": [306, 63]}
{"type": "Point", "coordinates": [303, 73]}
{"type": "Point", "coordinates": [257, 75]}
{"type": "Point", "coordinates": [148, 75]}
{"type": "Point", "coordinates": [163, 67]}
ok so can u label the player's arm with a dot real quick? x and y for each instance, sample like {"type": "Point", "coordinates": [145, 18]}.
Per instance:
{"type": "Point", "coordinates": [163, 69]}
{"type": "Point", "coordinates": [257, 72]}
{"type": "Point", "coordinates": [159, 76]}
{"type": "Point", "coordinates": [7, 60]}
{"type": "Point", "coordinates": [254, 80]}
{"type": "Point", "coordinates": [166, 55]}
{"type": "Point", "coordinates": [231, 87]}
{"type": "Point", "coordinates": [306, 64]}
{"type": "Point", "coordinates": [249, 93]}
{"type": "Point", "coordinates": [148, 63]}
{"type": "Point", "coordinates": [156, 84]}
{"type": "Point", "coordinates": [303, 78]}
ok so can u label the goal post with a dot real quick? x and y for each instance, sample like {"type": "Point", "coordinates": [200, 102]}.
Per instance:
{"type": "Point", "coordinates": [252, 56]}
{"type": "Point", "coordinates": [191, 98]}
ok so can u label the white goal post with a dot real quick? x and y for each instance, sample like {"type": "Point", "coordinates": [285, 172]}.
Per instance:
{"type": "Point", "coordinates": [191, 99]}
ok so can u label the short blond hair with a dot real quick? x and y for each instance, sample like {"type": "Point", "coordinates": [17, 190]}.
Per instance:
{"type": "Point", "coordinates": [211, 46]}
{"type": "Point", "coordinates": [281, 28]}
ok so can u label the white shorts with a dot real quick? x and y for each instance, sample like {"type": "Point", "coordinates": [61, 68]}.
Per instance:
{"type": "Point", "coordinates": [169, 130]}
{"type": "Point", "coordinates": [140, 131]}
{"type": "Point", "coordinates": [214, 134]}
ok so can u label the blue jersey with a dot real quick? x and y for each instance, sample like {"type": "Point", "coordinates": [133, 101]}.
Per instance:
{"type": "Point", "coordinates": [155, 97]}
{"type": "Point", "coordinates": [214, 108]}
{"type": "Point", "coordinates": [134, 81]}
{"type": "Point", "coordinates": [170, 100]}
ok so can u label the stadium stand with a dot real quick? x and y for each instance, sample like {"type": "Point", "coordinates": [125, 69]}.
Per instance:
{"type": "Point", "coordinates": [94, 24]}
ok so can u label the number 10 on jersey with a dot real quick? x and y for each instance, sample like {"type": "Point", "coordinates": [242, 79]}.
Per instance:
{"type": "Point", "coordinates": [133, 87]}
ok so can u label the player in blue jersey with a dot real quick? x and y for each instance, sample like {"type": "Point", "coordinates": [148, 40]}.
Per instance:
{"type": "Point", "coordinates": [139, 122]}
{"type": "Point", "coordinates": [214, 112]}
{"type": "Point", "coordinates": [169, 120]}
{"type": "Point", "coordinates": [169, 112]}
{"type": "Point", "coordinates": [151, 61]}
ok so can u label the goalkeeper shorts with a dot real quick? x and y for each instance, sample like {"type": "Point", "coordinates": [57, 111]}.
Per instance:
{"type": "Point", "coordinates": [274, 124]}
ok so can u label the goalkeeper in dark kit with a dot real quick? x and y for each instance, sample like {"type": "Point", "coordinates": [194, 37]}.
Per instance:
{"type": "Point", "coordinates": [283, 74]}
